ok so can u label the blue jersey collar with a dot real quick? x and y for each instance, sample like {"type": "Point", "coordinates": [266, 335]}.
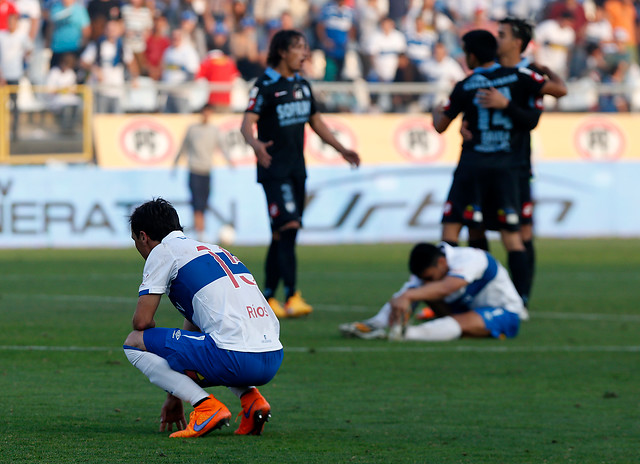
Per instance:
{"type": "Point", "coordinates": [275, 75]}
{"type": "Point", "coordinates": [493, 67]}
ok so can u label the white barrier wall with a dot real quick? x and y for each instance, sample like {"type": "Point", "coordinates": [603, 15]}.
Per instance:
{"type": "Point", "coordinates": [89, 207]}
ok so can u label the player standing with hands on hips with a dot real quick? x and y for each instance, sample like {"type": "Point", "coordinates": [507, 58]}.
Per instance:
{"type": "Point", "coordinates": [280, 104]}
{"type": "Point", "coordinates": [230, 336]}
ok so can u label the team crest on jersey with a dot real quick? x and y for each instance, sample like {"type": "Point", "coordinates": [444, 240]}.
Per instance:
{"type": "Point", "coordinates": [298, 93]}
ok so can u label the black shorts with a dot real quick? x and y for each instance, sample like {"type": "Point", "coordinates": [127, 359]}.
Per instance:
{"type": "Point", "coordinates": [483, 193]}
{"type": "Point", "coordinates": [526, 203]}
{"type": "Point", "coordinates": [200, 186]}
{"type": "Point", "coordinates": [285, 200]}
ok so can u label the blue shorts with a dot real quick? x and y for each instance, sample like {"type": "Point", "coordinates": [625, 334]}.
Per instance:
{"type": "Point", "coordinates": [196, 355]}
{"type": "Point", "coordinates": [499, 321]}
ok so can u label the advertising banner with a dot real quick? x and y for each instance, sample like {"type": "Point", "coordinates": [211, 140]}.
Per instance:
{"type": "Point", "coordinates": [89, 207]}
{"type": "Point", "coordinates": [152, 141]}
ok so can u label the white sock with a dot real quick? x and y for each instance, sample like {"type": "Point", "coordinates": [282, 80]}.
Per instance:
{"type": "Point", "coordinates": [159, 372]}
{"type": "Point", "coordinates": [380, 320]}
{"type": "Point", "coordinates": [439, 330]}
{"type": "Point", "coordinates": [239, 391]}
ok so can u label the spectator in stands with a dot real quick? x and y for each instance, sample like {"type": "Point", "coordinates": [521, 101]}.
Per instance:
{"type": "Point", "coordinates": [180, 64]}
{"type": "Point", "coordinates": [7, 8]}
{"type": "Point", "coordinates": [243, 44]}
{"type": "Point", "coordinates": [61, 85]}
{"type": "Point", "coordinates": [420, 42]}
{"type": "Point", "coordinates": [156, 45]}
{"type": "Point", "coordinates": [398, 9]}
{"type": "Point", "coordinates": [138, 22]}
{"type": "Point", "coordinates": [480, 20]}
{"type": "Point", "coordinates": [191, 32]}
{"type": "Point", "coordinates": [30, 18]}
{"type": "Point", "coordinates": [385, 47]}
{"type": "Point", "coordinates": [15, 45]}
{"type": "Point", "coordinates": [69, 29]}
{"type": "Point", "coordinates": [107, 59]}
{"type": "Point", "coordinates": [220, 37]}
{"type": "Point", "coordinates": [434, 22]}
{"type": "Point", "coordinates": [623, 14]}
{"type": "Point", "coordinates": [557, 8]}
{"type": "Point", "coordinates": [218, 68]}
{"type": "Point", "coordinates": [598, 29]}
{"type": "Point", "coordinates": [615, 102]}
{"type": "Point", "coordinates": [407, 72]}
{"type": "Point", "coordinates": [335, 28]}
{"type": "Point", "coordinates": [101, 11]}
{"type": "Point", "coordinates": [443, 72]}
{"type": "Point", "coordinates": [368, 15]}
{"type": "Point", "coordinates": [555, 40]}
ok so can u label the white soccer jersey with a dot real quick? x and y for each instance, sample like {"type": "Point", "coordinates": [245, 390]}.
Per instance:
{"type": "Point", "coordinates": [213, 290]}
{"type": "Point", "coordinates": [489, 284]}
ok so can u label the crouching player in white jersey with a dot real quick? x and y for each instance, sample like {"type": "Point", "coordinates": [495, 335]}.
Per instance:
{"type": "Point", "coordinates": [467, 286]}
{"type": "Point", "coordinates": [230, 335]}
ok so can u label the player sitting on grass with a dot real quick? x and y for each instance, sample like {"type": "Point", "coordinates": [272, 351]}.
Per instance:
{"type": "Point", "coordinates": [468, 287]}
{"type": "Point", "coordinates": [230, 335]}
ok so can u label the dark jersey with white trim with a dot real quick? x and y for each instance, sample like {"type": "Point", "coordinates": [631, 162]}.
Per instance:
{"type": "Point", "coordinates": [496, 141]}
{"type": "Point", "coordinates": [284, 106]}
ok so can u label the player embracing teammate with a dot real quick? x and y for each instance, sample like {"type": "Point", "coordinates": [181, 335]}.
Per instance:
{"type": "Point", "coordinates": [490, 188]}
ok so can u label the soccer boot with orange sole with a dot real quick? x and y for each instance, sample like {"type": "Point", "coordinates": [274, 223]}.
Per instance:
{"type": "Point", "coordinates": [208, 416]}
{"type": "Point", "coordinates": [255, 412]}
{"type": "Point", "coordinates": [296, 306]}
{"type": "Point", "coordinates": [277, 308]}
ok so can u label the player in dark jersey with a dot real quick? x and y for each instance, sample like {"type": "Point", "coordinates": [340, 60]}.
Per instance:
{"type": "Point", "coordinates": [487, 168]}
{"type": "Point", "coordinates": [514, 36]}
{"type": "Point", "coordinates": [280, 104]}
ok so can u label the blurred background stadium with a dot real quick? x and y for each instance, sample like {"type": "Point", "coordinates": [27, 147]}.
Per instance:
{"type": "Point", "coordinates": [85, 137]}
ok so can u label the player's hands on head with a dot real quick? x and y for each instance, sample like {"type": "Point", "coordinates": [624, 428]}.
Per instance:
{"type": "Point", "coordinates": [491, 98]}
{"type": "Point", "coordinates": [172, 413]}
{"type": "Point", "coordinates": [260, 149]}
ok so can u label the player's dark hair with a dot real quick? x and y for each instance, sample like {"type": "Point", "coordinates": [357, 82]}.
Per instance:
{"type": "Point", "coordinates": [157, 218]}
{"type": "Point", "coordinates": [281, 42]}
{"type": "Point", "coordinates": [520, 29]}
{"type": "Point", "coordinates": [482, 44]}
{"type": "Point", "coordinates": [423, 256]}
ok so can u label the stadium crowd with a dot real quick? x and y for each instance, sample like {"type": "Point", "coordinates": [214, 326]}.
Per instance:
{"type": "Point", "coordinates": [114, 44]}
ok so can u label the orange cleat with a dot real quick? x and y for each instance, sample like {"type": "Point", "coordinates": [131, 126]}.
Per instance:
{"type": "Point", "coordinates": [208, 416]}
{"type": "Point", "coordinates": [425, 314]}
{"type": "Point", "coordinates": [255, 412]}
{"type": "Point", "coordinates": [296, 306]}
{"type": "Point", "coordinates": [277, 308]}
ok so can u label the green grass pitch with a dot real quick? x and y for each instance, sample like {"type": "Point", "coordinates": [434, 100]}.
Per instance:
{"type": "Point", "coordinates": [566, 390]}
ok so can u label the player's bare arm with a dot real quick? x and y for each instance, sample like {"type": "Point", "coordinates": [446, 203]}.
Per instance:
{"type": "Point", "coordinates": [440, 121]}
{"type": "Point", "coordinates": [554, 85]}
{"type": "Point", "coordinates": [259, 147]}
{"type": "Point", "coordinates": [318, 125]}
{"type": "Point", "coordinates": [145, 310]}
{"type": "Point", "coordinates": [430, 291]}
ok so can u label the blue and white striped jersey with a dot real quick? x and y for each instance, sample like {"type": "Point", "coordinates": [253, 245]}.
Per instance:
{"type": "Point", "coordinates": [215, 291]}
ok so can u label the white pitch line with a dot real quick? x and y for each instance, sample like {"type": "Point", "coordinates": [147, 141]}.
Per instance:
{"type": "Point", "coordinates": [435, 348]}
{"type": "Point", "coordinates": [325, 307]}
